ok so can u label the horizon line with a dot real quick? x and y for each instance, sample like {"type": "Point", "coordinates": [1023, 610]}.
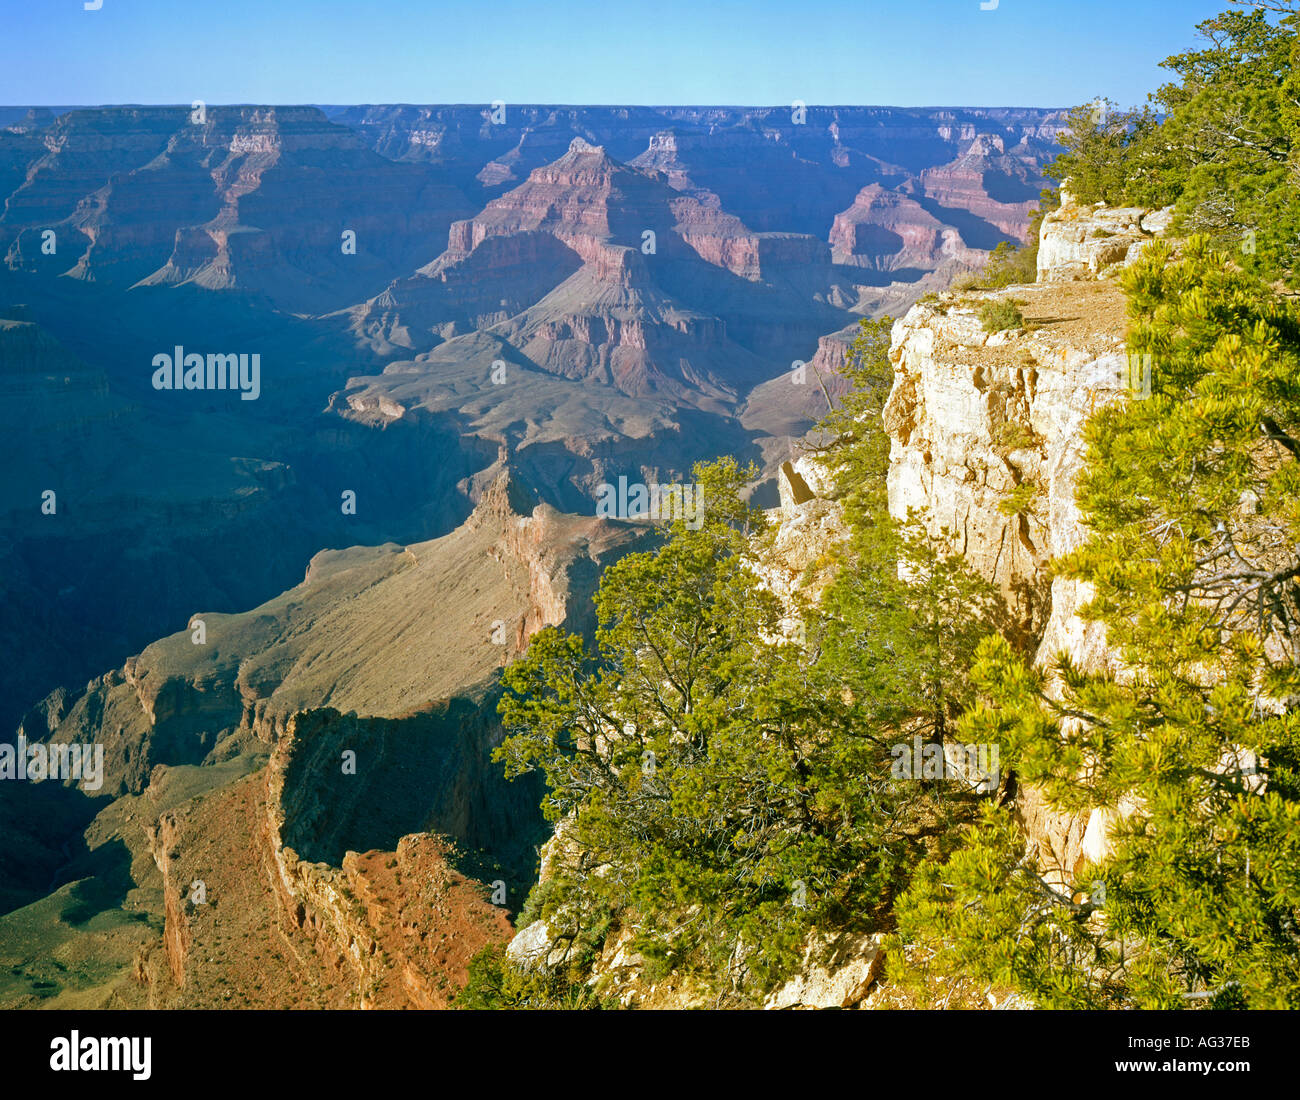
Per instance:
{"type": "Point", "coordinates": [538, 103]}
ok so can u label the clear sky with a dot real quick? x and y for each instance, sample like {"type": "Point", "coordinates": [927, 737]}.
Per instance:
{"type": "Point", "coordinates": [750, 52]}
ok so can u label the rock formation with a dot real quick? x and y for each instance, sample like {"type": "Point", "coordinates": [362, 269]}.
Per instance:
{"type": "Point", "coordinates": [249, 198]}
{"type": "Point", "coordinates": [887, 231]}
{"type": "Point", "coordinates": [594, 270]}
{"type": "Point", "coordinates": [319, 767]}
{"type": "Point", "coordinates": [972, 416]}
{"type": "Point", "coordinates": [774, 173]}
{"type": "Point", "coordinates": [996, 187]}
{"type": "Point", "coordinates": [1083, 242]}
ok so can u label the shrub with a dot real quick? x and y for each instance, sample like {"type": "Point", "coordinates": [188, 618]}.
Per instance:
{"type": "Point", "coordinates": [1002, 314]}
{"type": "Point", "coordinates": [496, 983]}
{"type": "Point", "coordinates": [1010, 264]}
{"type": "Point", "coordinates": [1021, 499]}
{"type": "Point", "coordinates": [1011, 435]}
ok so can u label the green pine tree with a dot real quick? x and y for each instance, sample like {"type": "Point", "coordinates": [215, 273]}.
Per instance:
{"type": "Point", "coordinates": [1193, 742]}
{"type": "Point", "coordinates": [688, 754]}
{"type": "Point", "coordinates": [1219, 141]}
{"type": "Point", "coordinates": [722, 791]}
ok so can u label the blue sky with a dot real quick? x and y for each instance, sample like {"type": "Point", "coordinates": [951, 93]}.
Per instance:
{"type": "Point", "coordinates": [897, 52]}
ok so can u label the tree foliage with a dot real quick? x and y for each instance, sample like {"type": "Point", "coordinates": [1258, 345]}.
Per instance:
{"type": "Point", "coordinates": [686, 754]}
{"type": "Point", "coordinates": [1015, 264]}
{"type": "Point", "coordinates": [1219, 141]}
{"type": "Point", "coordinates": [495, 983]}
{"type": "Point", "coordinates": [1192, 742]}
{"type": "Point", "coordinates": [721, 789]}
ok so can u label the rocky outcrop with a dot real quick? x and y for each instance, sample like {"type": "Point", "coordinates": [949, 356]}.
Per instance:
{"type": "Point", "coordinates": [249, 920]}
{"type": "Point", "coordinates": [596, 270]}
{"type": "Point", "coordinates": [996, 186]}
{"type": "Point", "coordinates": [1089, 242]}
{"type": "Point", "coordinates": [401, 921]}
{"type": "Point", "coordinates": [164, 845]}
{"type": "Point", "coordinates": [373, 849]}
{"type": "Point", "coordinates": [807, 529]}
{"type": "Point", "coordinates": [464, 290]}
{"type": "Point", "coordinates": [356, 634]}
{"type": "Point", "coordinates": [836, 972]}
{"type": "Point", "coordinates": [979, 419]}
{"type": "Point", "coordinates": [975, 417]}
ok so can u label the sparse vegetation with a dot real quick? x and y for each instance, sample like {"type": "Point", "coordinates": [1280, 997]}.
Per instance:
{"type": "Point", "coordinates": [1010, 264]}
{"type": "Point", "coordinates": [1000, 315]}
{"type": "Point", "coordinates": [1021, 500]}
{"type": "Point", "coordinates": [1012, 435]}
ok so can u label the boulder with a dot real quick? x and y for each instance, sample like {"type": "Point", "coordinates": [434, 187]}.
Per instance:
{"type": "Point", "coordinates": [1082, 242]}
{"type": "Point", "coordinates": [836, 973]}
{"type": "Point", "coordinates": [531, 948]}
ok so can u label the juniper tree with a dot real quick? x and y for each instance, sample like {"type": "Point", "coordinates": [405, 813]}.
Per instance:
{"type": "Point", "coordinates": [721, 789]}
{"type": "Point", "coordinates": [904, 615]}
{"type": "Point", "coordinates": [707, 800]}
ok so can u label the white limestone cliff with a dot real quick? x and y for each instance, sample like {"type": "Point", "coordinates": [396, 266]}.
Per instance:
{"type": "Point", "coordinates": [973, 415]}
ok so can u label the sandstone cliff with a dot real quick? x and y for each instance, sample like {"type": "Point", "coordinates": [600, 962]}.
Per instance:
{"type": "Point", "coordinates": [597, 270]}
{"type": "Point", "coordinates": [890, 231]}
{"type": "Point", "coordinates": [974, 415]}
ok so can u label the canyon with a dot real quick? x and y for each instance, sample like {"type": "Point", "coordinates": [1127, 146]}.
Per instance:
{"type": "Point", "coordinates": [227, 757]}
{"type": "Point", "coordinates": [497, 295]}
{"type": "Point", "coordinates": [522, 312]}
{"type": "Point", "coordinates": [972, 415]}
{"type": "Point", "coordinates": [375, 888]}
